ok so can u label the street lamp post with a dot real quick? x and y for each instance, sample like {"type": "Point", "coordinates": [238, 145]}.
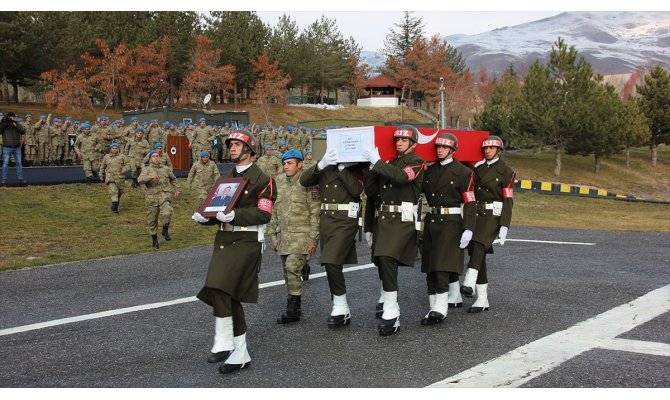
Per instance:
{"type": "Point", "coordinates": [442, 113]}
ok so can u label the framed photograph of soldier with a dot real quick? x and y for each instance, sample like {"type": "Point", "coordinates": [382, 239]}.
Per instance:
{"type": "Point", "coordinates": [223, 196]}
{"type": "Point", "coordinates": [350, 142]}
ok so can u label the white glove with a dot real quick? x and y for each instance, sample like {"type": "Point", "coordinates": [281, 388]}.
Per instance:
{"type": "Point", "coordinates": [371, 155]}
{"type": "Point", "coordinates": [199, 218]}
{"type": "Point", "coordinates": [225, 217]}
{"type": "Point", "coordinates": [465, 238]}
{"type": "Point", "coordinates": [502, 235]}
{"type": "Point", "coordinates": [368, 238]}
{"type": "Point", "coordinates": [330, 158]}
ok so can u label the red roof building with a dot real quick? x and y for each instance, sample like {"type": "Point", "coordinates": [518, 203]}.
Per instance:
{"type": "Point", "coordinates": [380, 91]}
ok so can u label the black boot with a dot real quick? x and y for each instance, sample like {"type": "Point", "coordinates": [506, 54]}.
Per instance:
{"type": "Point", "coordinates": [305, 272]}
{"type": "Point", "coordinates": [166, 234]}
{"type": "Point", "coordinates": [388, 327]}
{"type": "Point", "coordinates": [379, 310]}
{"type": "Point", "coordinates": [115, 207]}
{"type": "Point", "coordinates": [293, 311]}
{"type": "Point", "coordinates": [154, 242]}
{"type": "Point", "coordinates": [89, 180]}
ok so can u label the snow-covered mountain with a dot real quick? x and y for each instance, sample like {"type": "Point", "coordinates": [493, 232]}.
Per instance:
{"type": "Point", "coordinates": [612, 42]}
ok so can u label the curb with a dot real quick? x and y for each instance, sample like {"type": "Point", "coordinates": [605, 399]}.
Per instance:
{"type": "Point", "coordinates": [527, 185]}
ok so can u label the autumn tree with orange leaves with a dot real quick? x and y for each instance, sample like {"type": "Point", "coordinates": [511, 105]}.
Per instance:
{"type": "Point", "coordinates": [205, 76]}
{"type": "Point", "coordinates": [271, 86]}
{"type": "Point", "coordinates": [69, 91]}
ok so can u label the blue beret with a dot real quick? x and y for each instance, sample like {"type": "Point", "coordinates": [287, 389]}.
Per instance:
{"type": "Point", "coordinates": [133, 119]}
{"type": "Point", "coordinates": [202, 119]}
{"type": "Point", "coordinates": [85, 125]}
{"type": "Point", "coordinates": [204, 153]}
{"type": "Point", "coordinates": [267, 147]}
{"type": "Point", "coordinates": [29, 115]}
{"type": "Point", "coordinates": [292, 153]}
{"type": "Point", "coordinates": [139, 129]}
{"type": "Point", "coordinates": [308, 152]}
{"type": "Point", "coordinates": [157, 145]}
{"type": "Point", "coordinates": [19, 120]}
{"type": "Point", "coordinates": [76, 122]}
{"type": "Point", "coordinates": [150, 153]}
{"type": "Point", "coordinates": [282, 142]}
{"type": "Point", "coordinates": [57, 120]}
{"type": "Point", "coordinates": [42, 116]}
{"type": "Point", "coordinates": [111, 146]}
{"type": "Point", "coordinates": [68, 118]}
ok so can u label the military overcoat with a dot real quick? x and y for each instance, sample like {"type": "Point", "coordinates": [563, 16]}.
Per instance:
{"type": "Point", "coordinates": [492, 183]}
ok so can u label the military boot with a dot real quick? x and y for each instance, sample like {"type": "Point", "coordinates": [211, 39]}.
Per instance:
{"type": "Point", "coordinates": [391, 316]}
{"type": "Point", "coordinates": [469, 282]}
{"type": "Point", "coordinates": [166, 234]}
{"type": "Point", "coordinates": [115, 207]}
{"type": "Point", "coordinates": [154, 241]}
{"type": "Point", "coordinates": [292, 313]}
{"type": "Point", "coordinates": [340, 315]}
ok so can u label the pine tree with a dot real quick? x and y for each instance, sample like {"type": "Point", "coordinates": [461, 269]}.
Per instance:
{"type": "Point", "coordinates": [655, 103]}
{"type": "Point", "coordinates": [400, 40]}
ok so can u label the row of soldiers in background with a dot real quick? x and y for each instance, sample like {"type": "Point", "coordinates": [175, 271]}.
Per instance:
{"type": "Point", "coordinates": [51, 141]}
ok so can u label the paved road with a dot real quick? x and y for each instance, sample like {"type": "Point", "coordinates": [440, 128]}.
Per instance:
{"type": "Point", "coordinates": [569, 308]}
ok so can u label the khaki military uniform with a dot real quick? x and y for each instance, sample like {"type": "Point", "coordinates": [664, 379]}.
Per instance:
{"type": "Point", "coordinates": [105, 136]}
{"type": "Point", "coordinates": [136, 150]}
{"type": "Point", "coordinates": [202, 177]}
{"type": "Point", "coordinates": [43, 140]}
{"type": "Point", "coordinates": [202, 140]}
{"type": "Point", "coordinates": [30, 144]}
{"type": "Point", "coordinates": [295, 225]}
{"type": "Point", "coordinates": [270, 165]}
{"type": "Point", "coordinates": [88, 150]}
{"type": "Point", "coordinates": [160, 182]}
{"type": "Point", "coordinates": [113, 172]}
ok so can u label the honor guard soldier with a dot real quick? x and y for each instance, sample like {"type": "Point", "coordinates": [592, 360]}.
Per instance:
{"type": "Point", "coordinates": [494, 189]}
{"type": "Point", "coordinates": [294, 230]}
{"type": "Point", "coordinates": [339, 189]}
{"type": "Point", "coordinates": [113, 172]}
{"type": "Point", "coordinates": [232, 276]}
{"type": "Point", "coordinates": [160, 182]}
{"type": "Point", "coordinates": [447, 229]}
{"type": "Point", "coordinates": [398, 184]}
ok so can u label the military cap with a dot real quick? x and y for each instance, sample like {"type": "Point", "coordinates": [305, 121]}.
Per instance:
{"type": "Point", "coordinates": [85, 125]}
{"type": "Point", "coordinates": [204, 153]}
{"type": "Point", "coordinates": [111, 146]}
{"type": "Point", "coordinates": [292, 153]}
{"type": "Point", "coordinates": [157, 145]}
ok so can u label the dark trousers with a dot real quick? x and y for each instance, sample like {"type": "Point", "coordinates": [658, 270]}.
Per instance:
{"type": "Point", "coordinates": [224, 306]}
{"type": "Point", "coordinates": [335, 279]}
{"type": "Point", "coordinates": [478, 261]}
{"type": "Point", "coordinates": [388, 273]}
{"type": "Point", "coordinates": [438, 281]}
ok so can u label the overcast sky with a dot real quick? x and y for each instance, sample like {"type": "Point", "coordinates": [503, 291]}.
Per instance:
{"type": "Point", "coordinates": [370, 21]}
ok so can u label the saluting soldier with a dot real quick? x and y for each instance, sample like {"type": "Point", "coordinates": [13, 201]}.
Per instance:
{"type": "Point", "coordinates": [398, 184]}
{"type": "Point", "coordinates": [30, 141]}
{"type": "Point", "coordinates": [232, 276]}
{"type": "Point", "coordinates": [448, 225]}
{"type": "Point", "coordinates": [43, 139]}
{"type": "Point", "coordinates": [160, 183]}
{"type": "Point", "coordinates": [113, 172]}
{"type": "Point", "coordinates": [494, 190]}
{"type": "Point", "coordinates": [339, 189]}
{"type": "Point", "coordinates": [202, 175]}
{"type": "Point", "coordinates": [88, 149]}
{"type": "Point", "coordinates": [294, 230]}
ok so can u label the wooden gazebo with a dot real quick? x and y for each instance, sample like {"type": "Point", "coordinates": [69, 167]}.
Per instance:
{"type": "Point", "coordinates": [380, 91]}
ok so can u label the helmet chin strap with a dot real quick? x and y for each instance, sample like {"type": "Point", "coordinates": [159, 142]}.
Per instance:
{"type": "Point", "coordinates": [402, 153]}
{"type": "Point", "coordinates": [451, 151]}
{"type": "Point", "coordinates": [245, 150]}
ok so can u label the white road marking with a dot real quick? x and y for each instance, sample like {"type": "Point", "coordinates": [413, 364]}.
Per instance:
{"type": "Point", "coordinates": [637, 346]}
{"type": "Point", "coordinates": [119, 311]}
{"type": "Point", "coordinates": [541, 356]}
{"type": "Point", "coordinates": [545, 241]}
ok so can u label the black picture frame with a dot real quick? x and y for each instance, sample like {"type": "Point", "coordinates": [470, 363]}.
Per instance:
{"type": "Point", "coordinates": [223, 196]}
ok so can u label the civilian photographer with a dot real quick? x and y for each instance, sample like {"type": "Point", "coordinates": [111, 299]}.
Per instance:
{"type": "Point", "coordinates": [11, 132]}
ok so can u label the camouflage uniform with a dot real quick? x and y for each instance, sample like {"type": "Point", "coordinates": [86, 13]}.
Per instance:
{"type": "Point", "coordinates": [295, 224]}
{"type": "Point", "coordinates": [269, 164]}
{"type": "Point", "coordinates": [136, 150]}
{"type": "Point", "coordinates": [202, 177]}
{"type": "Point", "coordinates": [165, 160]}
{"type": "Point", "coordinates": [43, 139]}
{"type": "Point", "coordinates": [105, 136]}
{"type": "Point", "coordinates": [202, 140]}
{"type": "Point", "coordinates": [113, 172]}
{"type": "Point", "coordinates": [88, 149]}
{"type": "Point", "coordinates": [30, 143]}
{"type": "Point", "coordinates": [159, 181]}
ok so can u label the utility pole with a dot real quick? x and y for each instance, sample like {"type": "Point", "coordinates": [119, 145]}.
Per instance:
{"type": "Point", "coordinates": [442, 113]}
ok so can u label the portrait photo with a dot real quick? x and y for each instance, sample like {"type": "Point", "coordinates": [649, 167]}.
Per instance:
{"type": "Point", "coordinates": [223, 196]}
